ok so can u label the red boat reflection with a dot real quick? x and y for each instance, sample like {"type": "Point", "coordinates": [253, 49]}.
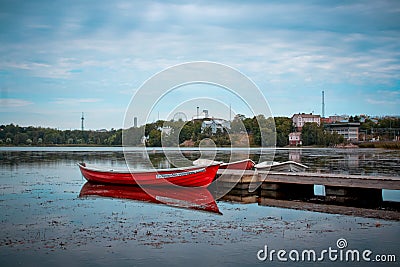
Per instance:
{"type": "Point", "coordinates": [182, 197]}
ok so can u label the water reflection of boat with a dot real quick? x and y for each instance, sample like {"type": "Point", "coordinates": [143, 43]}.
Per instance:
{"type": "Point", "coordinates": [245, 164]}
{"type": "Point", "coordinates": [182, 197]}
{"type": "Point", "coordinates": [287, 166]}
{"type": "Point", "coordinates": [197, 176]}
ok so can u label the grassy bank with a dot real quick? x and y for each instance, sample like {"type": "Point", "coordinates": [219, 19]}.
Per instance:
{"type": "Point", "coordinates": [387, 145]}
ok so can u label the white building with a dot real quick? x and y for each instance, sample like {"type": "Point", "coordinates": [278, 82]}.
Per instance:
{"type": "Point", "coordinates": [348, 130]}
{"type": "Point", "coordinates": [203, 115]}
{"type": "Point", "coordinates": [216, 124]}
{"type": "Point", "coordinates": [165, 130]}
{"type": "Point", "coordinates": [339, 118]}
{"type": "Point", "coordinates": [300, 119]}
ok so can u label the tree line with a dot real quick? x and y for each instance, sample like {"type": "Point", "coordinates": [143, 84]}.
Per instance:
{"type": "Point", "coordinates": [37, 136]}
{"type": "Point", "coordinates": [256, 131]}
{"type": "Point", "coordinates": [314, 134]}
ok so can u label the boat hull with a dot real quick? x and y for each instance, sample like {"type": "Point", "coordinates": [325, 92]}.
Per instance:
{"type": "Point", "coordinates": [181, 197]}
{"type": "Point", "coordinates": [200, 176]}
{"type": "Point", "coordinates": [246, 164]}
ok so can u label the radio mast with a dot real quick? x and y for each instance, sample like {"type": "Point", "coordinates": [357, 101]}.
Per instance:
{"type": "Point", "coordinates": [82, 119]}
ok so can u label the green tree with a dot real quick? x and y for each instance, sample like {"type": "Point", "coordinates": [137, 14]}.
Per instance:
{"type": "Point", "coordinates": [154, 138]}
{"type": "Point", "coordinates": [186, 132]}
{"type": "Point", "coordinates": [237, 125]}
{"type": "Point", "coordinates": [284, 127]}
{"type": "Point", "coordinates": [311, 134]}
{"type": "Point", "coordinates": [133, 136]}
{"type": "Point", "coordinates": [221, 138]}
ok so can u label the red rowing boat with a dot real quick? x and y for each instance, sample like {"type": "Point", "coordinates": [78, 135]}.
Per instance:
{"type": "Point", "coordinates": [197, 176]}
{"type": "Point", "coordinates": [245, 164]}
{"type": "Point", "coordinates": [181, 197]}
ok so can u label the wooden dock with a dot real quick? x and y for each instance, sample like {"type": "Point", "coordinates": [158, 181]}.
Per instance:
{"type": "Point", "coordinates": [355, 190]}
{"type": "Point", "coordinates": [307, 178]}
{"type": "Point", "coordinates": [386, 214]}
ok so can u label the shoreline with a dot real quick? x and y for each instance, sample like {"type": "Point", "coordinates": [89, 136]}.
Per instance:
{"type": "Point", "coordinates": [377, 145]}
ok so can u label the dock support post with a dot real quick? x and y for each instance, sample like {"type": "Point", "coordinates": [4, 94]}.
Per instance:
{"type": "Point", "coordinates": [366, 197]}
{"type": "Point", "coordinates": [239, 189]}
{"type": "Point", "coordinates": [287, 191]}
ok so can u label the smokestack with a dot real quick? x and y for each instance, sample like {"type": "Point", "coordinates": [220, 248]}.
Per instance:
{"type": "Point", "coordinates": [83, 118]}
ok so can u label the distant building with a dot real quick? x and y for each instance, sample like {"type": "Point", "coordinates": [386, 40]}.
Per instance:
{"type": "Point", "coordinates": [300, 119]}
{"type": "Point", "coordinates": [349, 130]}
{"type": "Point", "coordinates": [202, 116]}
{"type": "Point", "coordinates": [295, 139]}
{"type": "Point", "coordinates": [167, 130]}
{"type": "Point", "coordinates": [375, 120]}
{"type": "Point", "coordinates": [339, 118]}
{"type": "Point", "coordinates": [144, 140]}
{"type": "Point", "coordinates": [363, 118]}
{"type": "Point", "coordinates": [215, 124]}
{"type": "Point", "coordinates": [335, 118]}
{"type": "Point", "coordinates": [326, 120]}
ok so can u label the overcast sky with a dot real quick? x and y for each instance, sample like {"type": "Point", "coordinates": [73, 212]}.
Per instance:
{"type": "Point", "coordinates": [61, 58]}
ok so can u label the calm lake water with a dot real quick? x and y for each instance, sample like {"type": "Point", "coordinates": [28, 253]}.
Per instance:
{"type": "Point", "coordinates": [45, 222]}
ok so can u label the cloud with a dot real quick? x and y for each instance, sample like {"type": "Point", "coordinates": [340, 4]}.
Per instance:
{"type": "Point", "coordinates": [389, 94]}
{"type": "Point", "coordinates": [75, 101]}
{"type": "Point", "coordinates": [14, 102]}
{"type": "Point", "coordinates": [384, 97]}
{"type": "Point", "coordinates": [283, 38]}
{"type": "Point", "coordinates": [288, 48]}
{"type": "Point", "coordinates": [382, 102]}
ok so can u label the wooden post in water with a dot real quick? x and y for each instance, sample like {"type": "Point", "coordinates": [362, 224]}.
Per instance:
{"type": "Point", "coordinates": [366, 197]}
{"type": "Point", "coordinates": [287, 191]}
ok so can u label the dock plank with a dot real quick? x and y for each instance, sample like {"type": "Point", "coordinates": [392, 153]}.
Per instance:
{"type": "Point", "coordinates": [327, 179]}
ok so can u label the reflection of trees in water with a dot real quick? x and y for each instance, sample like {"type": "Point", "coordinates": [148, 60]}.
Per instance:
{"type": "Point", "coordinates": [47, 158]}
{"type": "Point", "coordinates": [352, 161]}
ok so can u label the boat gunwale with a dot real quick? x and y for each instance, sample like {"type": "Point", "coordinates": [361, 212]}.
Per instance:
{"type": "Point", "coordinates": [225, 163]}
{"type": "Point", "coordinates": [260, 166]}
{"type": "Point", "coordinates": [126, 171]}
{"type": "Point", "coordinates": [238, 161]}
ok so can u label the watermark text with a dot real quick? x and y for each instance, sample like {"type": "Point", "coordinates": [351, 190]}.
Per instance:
{"type": "Point", "coordinates": [338, 253]}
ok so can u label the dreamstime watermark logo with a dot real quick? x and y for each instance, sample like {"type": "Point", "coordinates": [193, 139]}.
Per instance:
{"type": "Point", "coordinates": [165, 91]}
{"type": "Point", "coordinates": [339, 253]}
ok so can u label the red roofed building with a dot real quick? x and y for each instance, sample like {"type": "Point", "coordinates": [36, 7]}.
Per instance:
{"type": "Point", "coordinates": [295, 139]}
{"type": "Point", "coordinates": [300, 119]}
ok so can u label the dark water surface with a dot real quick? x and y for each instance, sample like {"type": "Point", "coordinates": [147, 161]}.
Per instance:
{"type": "Point", "coordinates": [44, 222]}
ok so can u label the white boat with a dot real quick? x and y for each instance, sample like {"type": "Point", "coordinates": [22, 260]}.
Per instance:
{"type": "Point", "coordinates": [205, 162]}
{"type": "Point", "coordinates": [245, 164]}
{"type": "Point", "coordinates": [287, 166]}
